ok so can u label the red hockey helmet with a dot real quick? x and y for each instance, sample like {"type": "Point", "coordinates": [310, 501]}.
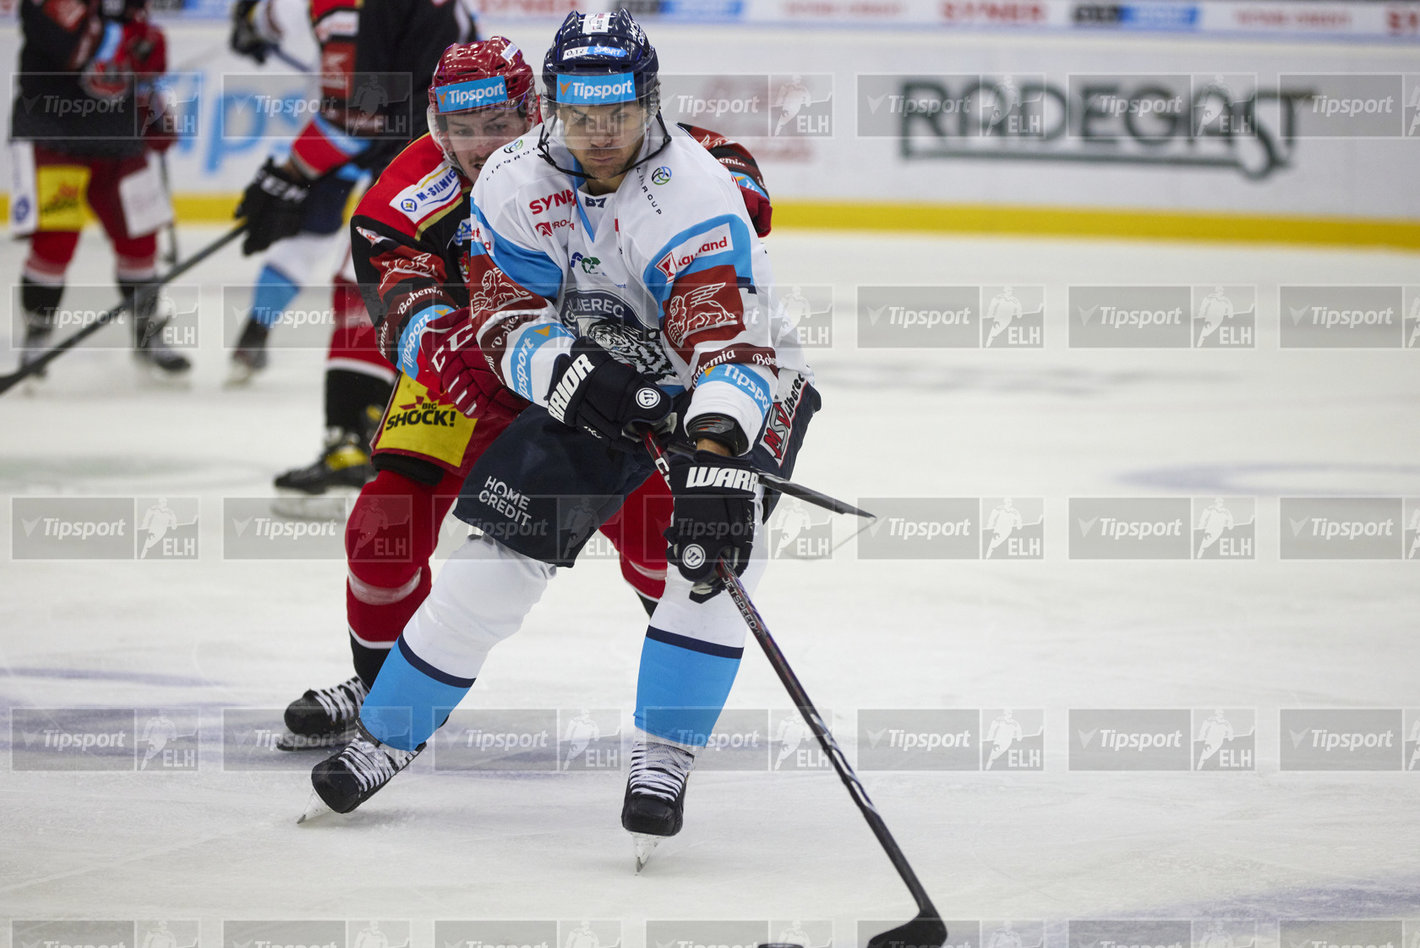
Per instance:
{"type": "Point", "coordinates": [473, 76]}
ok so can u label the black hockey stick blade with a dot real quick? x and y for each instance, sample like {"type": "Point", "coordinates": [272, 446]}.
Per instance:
{"type": "Point", "coordinates": [926, 930]}
{"type": "Point", "coordinates": [784, 486]}
{"type": "Point", "coordinates": [8, 382]}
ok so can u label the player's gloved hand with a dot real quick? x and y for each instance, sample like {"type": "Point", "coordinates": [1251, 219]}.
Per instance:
{"type": "Point", "coordinates": [274, 205]}
{"type": "Point", "coordinates": [608, 399]}
{"type": "Point", "coordinates": [451, 362]}
{"type": "Point", "coordinates": [246, 39]}
{"type": "Point", "coordinates": [713, 518]}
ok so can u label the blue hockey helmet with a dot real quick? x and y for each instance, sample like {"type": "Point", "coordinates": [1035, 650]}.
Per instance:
{"type": "Point", "coordinates": [601, 59]}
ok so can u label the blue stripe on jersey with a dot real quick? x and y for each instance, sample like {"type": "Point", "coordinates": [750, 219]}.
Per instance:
{"type": "Point", "coordinates": [747, 382]}
{"type": "Point", "coordinates": [348, 144]}
{"type": "Point", "coordinates": [530, 339]}
{"type": "Point", "coordinates": [274, 292]}
{"type": "Point", "coordinates": [682, 686]}
{"type": "Point", "coordinates": [665, 267]}
{"type": "Point", "coordinates": [108, 46]}
{"type": "Point", "coordinates": [410, 699]}
{"type": "Point", "coordinates": [409, 339]}
{"type": "Point", "coordinates": [533, 269]}
{"type": "Point", "coordinates": [749, 184]}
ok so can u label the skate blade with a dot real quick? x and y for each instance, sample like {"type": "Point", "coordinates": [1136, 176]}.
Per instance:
{"type": "Point", "coordinates": [302, 742]}
{"type": "Point", "coordinates": [644, 845]}
{"type": "Point", "coordinates": [315, 809]}
{"type": "Point", "coordinates": [239, 375]}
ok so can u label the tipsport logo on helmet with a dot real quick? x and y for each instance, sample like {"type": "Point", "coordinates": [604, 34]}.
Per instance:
{"type": "Point", "coordinates": [596, 90]}
{"type": "Point", "coordinates": [474, 94]}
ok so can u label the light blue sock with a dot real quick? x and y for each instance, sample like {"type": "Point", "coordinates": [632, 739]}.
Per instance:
{"type": "Point", "coordinates": [682, 686]}
{"type": "Point", "coordinates": [410, 699]}
{"type": "Point", "coordinates": [274, 292]}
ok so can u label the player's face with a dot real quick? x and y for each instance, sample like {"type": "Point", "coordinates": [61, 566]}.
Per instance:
{"type": "Point", "coordinates": [474, 136]}
{"type": "Point", "coordinates": [603, 138]}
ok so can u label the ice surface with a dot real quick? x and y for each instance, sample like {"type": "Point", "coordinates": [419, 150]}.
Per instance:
{"type": "Point", "coordinates": [211, 634]}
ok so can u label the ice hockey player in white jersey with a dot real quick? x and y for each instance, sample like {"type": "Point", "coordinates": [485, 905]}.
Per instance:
{"type": "Point", "coordinates": [623, 289]}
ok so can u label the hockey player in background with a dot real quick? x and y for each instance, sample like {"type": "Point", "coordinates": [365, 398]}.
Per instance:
{"type": "Point", "coordinates": [376, 60]}
{"type": "Point", "coordinates": [633, 292]}
{"type": "Point", "coordinates": [410, 238]}
{"type": "Point", "coordinates": [88, 114]}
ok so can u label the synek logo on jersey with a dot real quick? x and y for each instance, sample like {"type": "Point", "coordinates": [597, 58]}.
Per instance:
{"type": "Point", "coordinates": [1342, 528]}
{"type": "Point", "coordinates": [1341, 739]}
{"type": "Point", "coordinates": [1130, 739]}
{"type": "Point", "coordinates": [474, 94]}
{"type": "Point", "coordinates": [436, 190]}
{"type": "Point", "coordinates": [496, 933]}
{"type": "Point", "coordinates": [596, 90]}
{"type": "Point", "coordinates": [1343, 317]}
{"type": "Point", "coordinates": [1224, 739]}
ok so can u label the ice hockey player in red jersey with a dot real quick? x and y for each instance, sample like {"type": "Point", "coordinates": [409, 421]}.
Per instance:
{"type": "Point", "coordinates": [88, 115]}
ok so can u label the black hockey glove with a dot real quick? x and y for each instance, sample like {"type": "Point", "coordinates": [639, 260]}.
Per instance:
{"type": "Point", "coordinates": [713, 518]}
{"type": "Point", "coordinates": [608, 399]}
{"type": "Point", "coordinates": [245, 39]}
{"type": "Point", "coordinates": [274, 206]}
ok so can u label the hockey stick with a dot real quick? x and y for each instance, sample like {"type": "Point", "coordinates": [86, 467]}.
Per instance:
{"type": "Point", "coordinates": [8, 382]}
{"type": "Point", "coordinates": [926, 929]}
{"type": "Point", "coordinates": [781, 484]}
{"type": "Point", "coordinates": [170, 255]}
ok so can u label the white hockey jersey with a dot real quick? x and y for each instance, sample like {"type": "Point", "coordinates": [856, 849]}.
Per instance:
{"type": "Point", "coordinates": [666, 273]}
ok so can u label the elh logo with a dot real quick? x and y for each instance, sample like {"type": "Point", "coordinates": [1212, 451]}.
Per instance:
{"type": "Point", "coordinates": [1014, 528]}
{"type": "Point", "coordinates": [1012, 739]}
{"type": "Point", "coordinates": [167, 528]}
{"type": "Point", "coordinates": [808, 310]}
{"type": "Point", "coordinates": [1013, 317]}
{"type": "Point", "coordinates": [793, 745]}
{"type": "Point", "coordinates": [1411, 330]}
{"type": "Point", "coordinates": [800, 531]}
{"type": "Point", "coordinates": [589, 933]}
{"type": "Point", "coordinates": [589, 739]}
{"type": "Point", "coordinates": [1224, 317]}
{"type": "Point", "coordinates": [801, 105]}
{"type": "Point", "coordinates": [1225, 739]}
{"type": "Point", "coordinates": [378, 933]}
{"type": "Point", "coordinates": [1411, 757]}
{"type": "Point", "coordinates": [1013, 933]}
{"type": "Point", "coordinates": [1224, 528]}
{"type": "Point", "coordinates": [1224, 933]}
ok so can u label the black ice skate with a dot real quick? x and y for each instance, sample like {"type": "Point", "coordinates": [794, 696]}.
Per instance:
{"type": "Point", "coordinates": [38, 329]}
{"type": "Point", "coordinates": [250, 356]}
{"type": "Point", "coordinates": [324, 717]}
{"type": "Point", "coordinates": [351, 777]}
{"type": "Point", "coordinates": [654, 807]}
{"type": "Point", "coordinates": [343, 462]}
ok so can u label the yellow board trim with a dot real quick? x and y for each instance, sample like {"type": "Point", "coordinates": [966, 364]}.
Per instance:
{"type": "Point", "coordinates": [1011, 220]}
